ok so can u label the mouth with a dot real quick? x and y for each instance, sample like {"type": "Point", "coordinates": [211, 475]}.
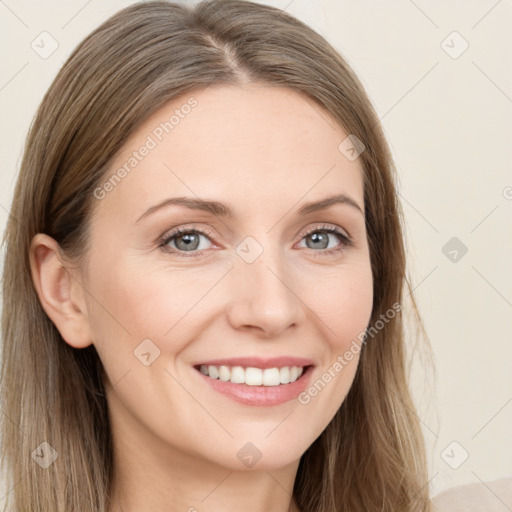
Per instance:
{"type": "Point", "coordinates": [253, 376]}
{"type": "Point", "coordinates": [258, 382]}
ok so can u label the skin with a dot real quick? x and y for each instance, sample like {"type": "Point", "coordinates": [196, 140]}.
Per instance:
{"type": "Point", "coordinates": [264, 151]}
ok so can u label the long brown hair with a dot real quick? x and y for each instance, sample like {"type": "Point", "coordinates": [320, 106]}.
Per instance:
{"type": "Point", "coordinates": [371, 456]}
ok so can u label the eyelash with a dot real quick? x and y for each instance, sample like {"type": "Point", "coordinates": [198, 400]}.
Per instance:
{"type": "Point", "coordinates": [344, 239]}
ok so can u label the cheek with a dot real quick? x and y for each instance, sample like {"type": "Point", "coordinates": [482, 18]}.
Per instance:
{"type": "Point", "coordinates": [138, 302]}
{"type": "Point", "coordinates": [344, 304]}
{"type": "Point", "coordinates": [134, 303]}
{"type": "Point", "coordinates": [345, 307]}
{"type": "Point", "coordinates": [138, 311]}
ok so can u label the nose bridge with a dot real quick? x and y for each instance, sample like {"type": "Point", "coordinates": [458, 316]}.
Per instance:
{"type": "Point", "coordinates": [263, 295]}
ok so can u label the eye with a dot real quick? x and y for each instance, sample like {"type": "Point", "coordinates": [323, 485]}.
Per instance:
{"type": "Point", "coordinates": [188, 240]}
{"type": "Point", "coordinates": [185, 240]}
{"type": "Point", "coordinates": [320, 239]}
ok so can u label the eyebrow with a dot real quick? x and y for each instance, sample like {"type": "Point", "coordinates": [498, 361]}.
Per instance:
{"type": "Point", "coordinates": [222, 210]}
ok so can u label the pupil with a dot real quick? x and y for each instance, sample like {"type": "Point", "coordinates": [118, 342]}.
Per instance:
{"type": "Point", "coordinates": [188, 243]}
{"type": "Point", "coordinates": [317, 237]}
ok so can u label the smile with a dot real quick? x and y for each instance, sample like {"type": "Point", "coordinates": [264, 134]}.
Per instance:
{"type": "Point", "coordinates": [272, 383]}
{"type": "Point", "coordinates": [252, 376]}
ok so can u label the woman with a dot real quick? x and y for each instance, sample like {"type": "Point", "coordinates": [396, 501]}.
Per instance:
{"type": "Point", "coordinates": [204, 278]}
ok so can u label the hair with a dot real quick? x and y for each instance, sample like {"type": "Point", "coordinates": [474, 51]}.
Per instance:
{"type": "Point", "coordinates": [371, 456]}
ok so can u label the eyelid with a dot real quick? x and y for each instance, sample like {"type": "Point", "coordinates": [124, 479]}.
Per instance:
{"type": "Point", "coordinates": [326, 227]}
{"type": "Point", "coordinates": [168, 235]}
{"type": "Point", "coordinates": [206, 231]}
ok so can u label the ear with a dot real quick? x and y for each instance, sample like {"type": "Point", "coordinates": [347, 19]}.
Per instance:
{"type": "Point", "coordinates": [60, 293]}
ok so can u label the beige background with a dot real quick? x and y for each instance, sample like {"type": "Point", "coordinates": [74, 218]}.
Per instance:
{"type": "Point", "coordinates": [448, 118]}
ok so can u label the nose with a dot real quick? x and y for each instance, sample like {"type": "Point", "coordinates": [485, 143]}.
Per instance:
{"type": "Point", "coordinates": [262, 295]}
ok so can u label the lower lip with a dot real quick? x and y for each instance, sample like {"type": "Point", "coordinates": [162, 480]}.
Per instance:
{"type": "Point", "coordinates": [260, 395]}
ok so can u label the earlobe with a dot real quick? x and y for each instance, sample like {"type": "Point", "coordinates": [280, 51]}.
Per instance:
{"type": "Point", "coordinates": [54, 284]}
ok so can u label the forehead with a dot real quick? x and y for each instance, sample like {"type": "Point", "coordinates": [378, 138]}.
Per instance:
{"type": "Point", "coordinates": [253, 146]}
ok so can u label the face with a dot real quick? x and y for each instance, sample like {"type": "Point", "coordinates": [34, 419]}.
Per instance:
{"type": "Point", "coordinates": [255, 281]}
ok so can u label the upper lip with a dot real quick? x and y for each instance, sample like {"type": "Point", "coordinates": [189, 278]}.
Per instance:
{"type": "Point", "coordinates": [258, 362]}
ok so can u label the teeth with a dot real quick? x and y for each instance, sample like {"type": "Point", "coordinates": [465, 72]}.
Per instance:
{"type": "Point", "coordinates": [271, 377]}
{"type": "Point", "coordinates": [224, 373]}
{"type": "Point", "coordinates": [253, 376]}
{"type": "Point", "coordinates": [213, 372]}
{"type": "Point", "coordinates": [284, 375]}
{"type": "Point", "coordinates": [237, 375]}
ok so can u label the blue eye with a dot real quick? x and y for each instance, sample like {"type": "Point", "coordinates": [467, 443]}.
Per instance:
{"type": "Point", "coordinates": [320, 236]}
{"type": "Point", "coordinates": [188, 240]}
{"type": "Point", "coordinates": [185, 240]}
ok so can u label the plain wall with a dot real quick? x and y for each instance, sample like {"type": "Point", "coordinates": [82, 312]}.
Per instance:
{"type": "Point", "coordinates": [448, 119]}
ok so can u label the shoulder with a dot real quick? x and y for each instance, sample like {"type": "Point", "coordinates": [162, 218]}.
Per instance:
{"type": "Point", "coordinates": [495, 496]}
